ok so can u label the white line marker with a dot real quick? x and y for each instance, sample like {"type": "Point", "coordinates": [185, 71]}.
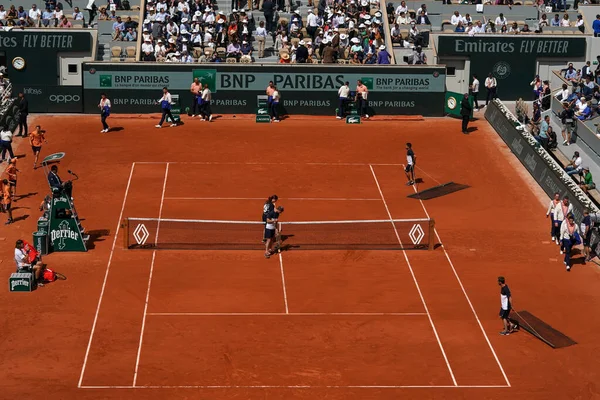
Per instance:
{"type": "Point", "coordinates": [281, 198]}
{"type": "Point", "coordinates": [414, 277]}
{"type": "Point", "coordinates": [286, 314]}
{"type": "Point", "coordinates": [262, 163]}
{"type": "Point", "coordinates": [285, 301]}
{"type": "Point", "coordinates": [466, 295]}
{"type": "Point", "coordinates": [112, 250]}
{"type": "Point", "coordinates": [301, 387]}
{"type": "Point", "coordinates": [139, 351]}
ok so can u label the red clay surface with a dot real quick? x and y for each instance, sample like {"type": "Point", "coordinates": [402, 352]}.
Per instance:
{"type": "Point", "coordinates": [215, 322]}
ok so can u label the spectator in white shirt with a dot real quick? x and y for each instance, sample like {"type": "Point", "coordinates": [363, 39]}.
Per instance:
{"type": "Point", "coordinates": [576, 164]}
{"type": "Point", "coordinates": [402, 19]}
{"type": "Point", "coordinates": [564, 22]}
{"type": "Point", "coordinates": [456, 18]}
{"type": "Point", "coordinates": [478, 28]}
{"type": "Point", "coordinates": [77, 15]}
{"type": "Point", "coordinates": [35, 14]}
{"type": "Point", "coordinates": [2, 12]}
{"type": "Point", "coordinates": [563, 94]}
{"type": "Point", "coordinates": [160, 50]}
{"type": "Point", "coordinates": [500, 20]}
{"type": "Point", "coordinates": [401, 8]}
{"type": "Point", "coordinates": [58, 14]}
{"type": "Point", "coordinates": [147, 46]}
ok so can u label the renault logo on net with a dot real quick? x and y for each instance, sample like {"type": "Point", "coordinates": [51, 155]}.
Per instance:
{"type": "Point", "coordinates": [64, 98]}
{"type": "Point", "coordinates": [141, 234]}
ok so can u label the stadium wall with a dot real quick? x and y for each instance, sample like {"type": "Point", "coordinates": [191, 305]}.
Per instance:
{"type": "Point", "coordinates": [305, 90]}
{"type": "Point", "coordinates": [542, 167]}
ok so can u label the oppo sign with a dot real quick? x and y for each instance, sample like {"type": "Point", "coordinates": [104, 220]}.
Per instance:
{"type": "Point", "coordinates": [64, 98]}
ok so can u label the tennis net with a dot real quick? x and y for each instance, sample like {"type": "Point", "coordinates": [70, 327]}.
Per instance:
{"type": "Point", "coordinates": [398, 234]}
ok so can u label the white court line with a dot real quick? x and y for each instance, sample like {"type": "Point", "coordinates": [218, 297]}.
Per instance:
{"type": "Point", "coordinates": [280, 198]}
{"type": "Point", "coordinates": [261, 163]}
{"type": "Point", "coordinates": [487, 339]}
{"type": "Point", "coordinates": [139, 351]}
{"type": "Point", "coordinates": [414, 278]}
{"type": "Point", "coordinates": [112, 250]}
{"type": "Point", "coordinates": [287, 310]}
{"type": "Point", "coordinates": [423, 171]}
{"type": "Point", "coordinates": [301, 387]}
{"type": "Point", "coordinates": [286, 314]}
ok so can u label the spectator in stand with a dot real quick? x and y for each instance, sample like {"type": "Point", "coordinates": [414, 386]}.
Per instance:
{"type": "Point", "coordinates": [118, 29]}
{"type": "Point", "coordinates": [234, 50]}
{"type": "Point", "coordinates": [567, 119]}
{"type": "Point", "coordinates": [456, 18]}
{"type": "Point", "coordinates": [418, 57]}
{"type": "Point", "coordinates": [246, 49]}
{"type": "Point", "coordinates": [579, 23]}
{"type": "Point", "coordinates": [402, 8]}
{"type": "Point", "coordinates": [395, 34]}
{"type": "Point", "coordinates": [65, 23]}
{"type": "Point", "coordinates": [131, 35]}
{"type": "Point", "coordinates": [12, 12]}
{"type": "Point", "coordinates": [584, 111]}
{"type": "Point", "coordinates": [383, 57]}
{"type": "Point", "coordinates": [21, 13]}
{"type": "Point", "coordinates": [586, 70]}
{"type": "Point", "coordinates": [58, 14]}
{"type": "Point", "coordinates": [269, 11]}
{"type": "Point", "coordinates": [369, 59]}
{"type": "Point", "coordinates": [596, 26]}
{"type": "Point", "coordinates": [500, 20]}
{"type": "Point", "coordinates": [587, 182]}
{"type": "Point", "coordinates": [563, 94]}
{"type": "Point", "coordinates": [35, 14]}
{"type": "Point", "coordinates": [302, 53]}
{"type": "Point", "coordinates": [77, 15]}
{"type": "Point", "coordinates": [403, 19]}
{"type": "Point", "coordinates": [48, 18]}
{"type": "Point", "coordinates": [526, 29]}
{"type": "Point", "coordinates": [588, 86]}
{"type": "Point", "coordinates": [564, 22]}
{"type": "Point", "coordinates": [575, 166]}
{"type": "Point", "coordinates": [460, 28]}
{"type": "Point", "coordinates": [536, 119]}
{"type": "Point", "coordinates": [261, 38]}
{"type": "Point", "coordinates": [3, 13]}
{"type": "Point", "coordinates": [423, 19]}
{"type": "Point", "coordinates": [543, 22]}
{"type": "Point", "coordinates": [555, 21]}
{"type": "Point", "coordinates": [536, 85]}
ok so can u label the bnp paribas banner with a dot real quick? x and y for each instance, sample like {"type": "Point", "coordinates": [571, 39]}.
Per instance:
{"type": "Point", "coordinates": [511, 59]}
{"type": "Point", "coordinates": [304, 89]}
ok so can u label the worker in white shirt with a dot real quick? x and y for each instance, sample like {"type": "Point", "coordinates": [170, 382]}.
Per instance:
{"type": "Point", "coordinates": [205, 111]}
{"type": "Point", "coordinates": [555, 202]}
{"type": "Point", "coordinates": [475, 92]}
{"type": "Point", "coordinates": [560, 212]}
{"type": "Point", "coordinates": [165, 106]}
{"type": "Point", "coordinates": [343, 94]}
{"type": "Point", "coordinates": [490, 85]}
{"type": "Point", "coordinates": [569, 235]}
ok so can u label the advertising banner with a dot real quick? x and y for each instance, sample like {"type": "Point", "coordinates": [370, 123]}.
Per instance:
{"type": "Point", "coordinates": [511, 59]}
{"type": "Point", "coordinates": [52, 99]}
{"type": "Point", "coordinates": [304, 90]}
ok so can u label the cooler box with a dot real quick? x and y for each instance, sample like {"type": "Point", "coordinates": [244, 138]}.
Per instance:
{"type": "Point", "coordinates": [262, 100]}
{"type": "Point", "coordinates": [40, 242]}
{"type": "Point", "coordinates": [43, 225]}
{"type": "Point", "coordinates": [20, 282]}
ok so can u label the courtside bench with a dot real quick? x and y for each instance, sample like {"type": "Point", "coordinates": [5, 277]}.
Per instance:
{"type": "Point", "coordinates": [594, 194]}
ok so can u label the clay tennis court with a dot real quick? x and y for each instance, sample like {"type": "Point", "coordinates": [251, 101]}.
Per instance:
{"type": "Point", "coordinates": [311, 324]}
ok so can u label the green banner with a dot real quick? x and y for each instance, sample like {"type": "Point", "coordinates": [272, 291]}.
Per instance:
{"type": "Point", "coordinates": [511, 59]}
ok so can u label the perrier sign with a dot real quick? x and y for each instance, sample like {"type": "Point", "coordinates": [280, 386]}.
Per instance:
{"type": "Point", "coordinates": [65, 233]}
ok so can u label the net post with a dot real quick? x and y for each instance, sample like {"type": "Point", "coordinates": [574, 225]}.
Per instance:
{"type": "Point", "coordinates": [431, 234]}
{"type": "Point", "coordinates": [125, 226]}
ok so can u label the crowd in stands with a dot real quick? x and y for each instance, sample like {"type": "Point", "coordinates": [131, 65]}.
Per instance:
{"type": "Point", "coordinates": [466, 24]}
{"type": "Point", "coordinates": [52, 16]}
{"type": "Point", "coordinates": [348, 32]}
